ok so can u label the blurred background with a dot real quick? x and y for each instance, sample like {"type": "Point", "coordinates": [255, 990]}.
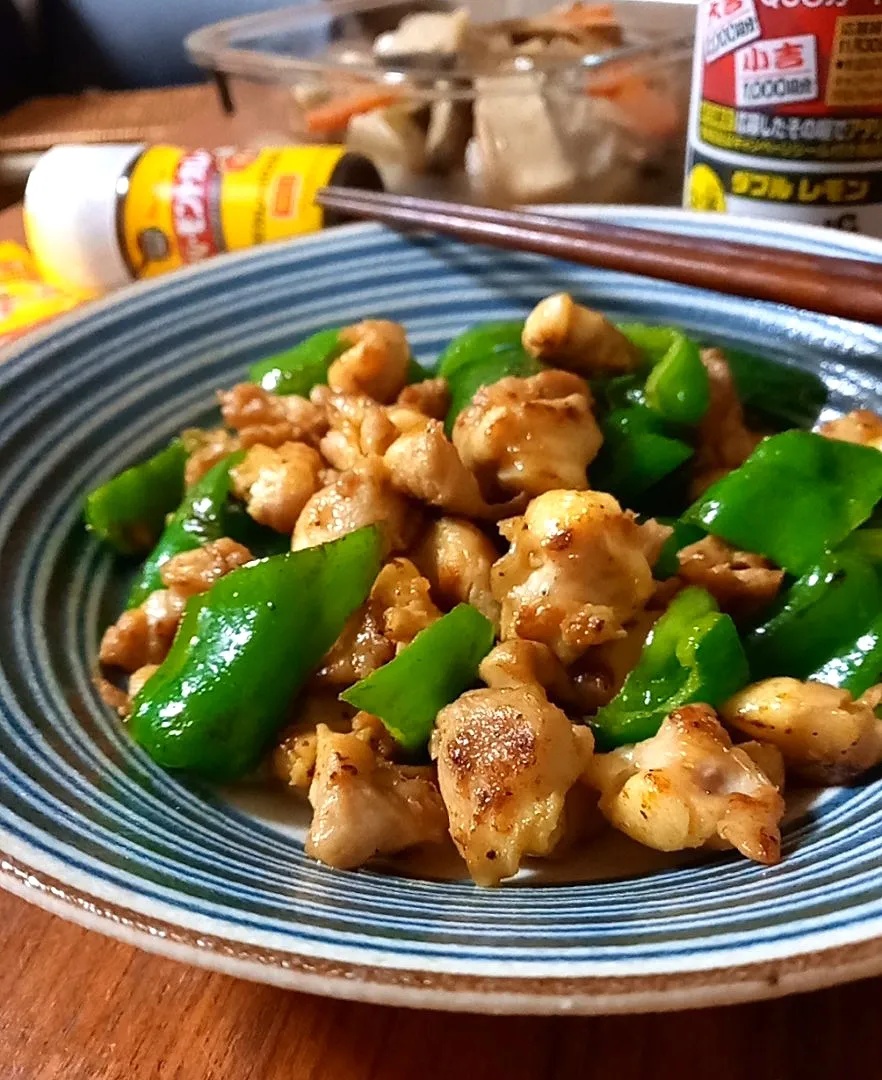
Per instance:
{"type": "Point", "coordinates": [62, 46]}
{"type": "Point", "coordinates": [488, 102]}
{"type": "Point", "coordinates": [101, 71]}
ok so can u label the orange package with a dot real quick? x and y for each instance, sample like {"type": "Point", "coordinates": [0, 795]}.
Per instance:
{"type": "Point", "coordinates": [26, 300]}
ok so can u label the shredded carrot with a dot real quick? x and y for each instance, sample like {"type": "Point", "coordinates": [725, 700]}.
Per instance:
{"type": "Point", "coordinates": [336, 114]}
{"type": "Point", "coordinates": [644, 108]}
{"type": "Point", "coordinates": [589, 15]}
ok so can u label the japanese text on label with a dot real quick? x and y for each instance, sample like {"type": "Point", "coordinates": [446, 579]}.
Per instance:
{"type": "Point", "coordinates": [776, 71]}
{"type": "Point", "coordinates": [729, 24]}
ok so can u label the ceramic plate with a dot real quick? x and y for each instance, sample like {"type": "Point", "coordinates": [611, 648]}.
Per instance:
{"type": "Point", "coordinates": [90, 829]}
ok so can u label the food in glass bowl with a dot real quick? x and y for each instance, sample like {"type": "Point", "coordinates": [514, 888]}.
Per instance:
{"type": "Point", "coordinates": [583, 576]}
{"type": "Point", "coordinates": [477, 105]}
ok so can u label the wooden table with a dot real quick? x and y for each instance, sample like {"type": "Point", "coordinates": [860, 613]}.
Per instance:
{"type": "Point", "coordinates": [78, 1006]}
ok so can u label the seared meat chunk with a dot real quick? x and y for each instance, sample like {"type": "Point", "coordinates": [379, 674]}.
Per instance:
{"type": "Point", "coordinates": [724, 440]}
{"type": "Point", "coordinates": [506, 760]}
{"type": "Point", "coordinates": [689, 787]}
{"type": "Point", "coordinates": [456, 557]}
{"type": "Point", "coordinates": [861, 426]}
{"type": "Point", "coordinates": [823, 734]}
{"type": "Point", "coordinates": [741, 582]}
{"type": "Point", "coordinates": [361, 496]}
{"type": "Point", "coordinates": [576, 573]}
{"type": "Point", "coordinates": [271, 419]}
{"type": "Point", "coordinates": [365, 805]}
{"type": "Point", "coordinates": [375, 363]}
{"type": "Point", "coordinates": [568, 335]}
{"type": "Point", "coordinates": [275, 482]}
{"type": "Point", "coordinates": [529, 435]}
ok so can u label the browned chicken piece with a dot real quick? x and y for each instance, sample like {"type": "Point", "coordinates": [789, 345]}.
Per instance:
{"type": "Point", "coordinates": [861, 426]}
{"type": "Point", "coordinates": [375, 363]}
{"type": "Point", "coordinates": [275, 482]}
{"type": "Point", "coordinates": [143, 635]}
{"type": "Point", "coordinates": [563, 333]}
{"type": "Point", "coordinates": [112, 696]}
{"type": "Point", "coordinates": [139, 677]}
{"type": "Point", "coordinates": [364, 805]}
{"type": "Point", "coordinates": [653, 535]}
{"type": "Point", "coordinates": [529, 435]}
{"type": "Point", "coordinates": [506, 760]}
{"type": "Point", "coordinates": [724, 440]}
{"type": "Point", "coordinates": [360, 496]}
{"type": "Point", "coordinates": [872, 697]}
{"type": "Point", "coordinates": [769, 760]}
{"type": "Point", "coordinates": [206, 449]}
{"type": "Point", "coordinates": [293, 759]}
{"type": "Point", "coordinates": [271, 419]}
{"type": "Point", "coordinates": [740, 581]}
{"type": "Point", "coordinates": [424, 464]}
{"type": "Point", "coordinates": [431, 397]}
{"type": "Point", "coordinates": [824, 735]}
{"type": "Point", "coordinates": [689, 787]}
{"type": "Point", "coordinates": [398, 608]}
{"type": "Point", "coordinates": [599, 674]}
{"type": "Point", "coordinates": [196, 571]}
{"type": "Point", "coordinates": [576, 572]}
{"type": "Point", "coordinates": [372, 729]}
{"type": "Point", "coordinates": [403, 595]}
{"type": "Point", "coordinates": [361, 648]}
{"type": "Point", "coordinates": [456, 557]}
{"type": "Point", "coordinates": [357, 428]}
{"type": "Point", "coordinates": [518, 662]}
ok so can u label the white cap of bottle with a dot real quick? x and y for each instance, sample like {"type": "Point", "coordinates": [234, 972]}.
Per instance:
{"type": "Point", "coordinates": [72, 210]}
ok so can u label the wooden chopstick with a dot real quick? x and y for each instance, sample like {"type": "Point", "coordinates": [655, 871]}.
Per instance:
{"type": "Point", "coordinates": [848, 288]}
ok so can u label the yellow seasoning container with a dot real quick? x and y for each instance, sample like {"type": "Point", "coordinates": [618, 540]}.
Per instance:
{"type": "Point", "coordinates": [100, 216]}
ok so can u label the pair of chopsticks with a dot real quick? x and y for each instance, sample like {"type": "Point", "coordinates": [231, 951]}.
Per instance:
{"type": "Point", "coordinates": [848, 288]}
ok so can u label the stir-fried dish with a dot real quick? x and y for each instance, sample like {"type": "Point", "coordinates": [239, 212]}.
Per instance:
{"type": "Point", "coordinates": [585, 576]}
{"type": "Point", "coordinates": [532, 109]}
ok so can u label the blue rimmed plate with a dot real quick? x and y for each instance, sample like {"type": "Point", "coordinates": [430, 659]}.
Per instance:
{"type": "Point", "coordinates": [90, 829]}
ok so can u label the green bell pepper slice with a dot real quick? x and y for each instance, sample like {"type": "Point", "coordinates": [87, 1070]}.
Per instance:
{"type": "Point", "coordinates": [857, 665]}
{"type": "Point", "coordinates": [128, 511]}
{"type": "Point", "coordinates": [619, 392]}
{"type": "Point", "coordinates": [416, 373]}
{"type": "Point", "coordinates": [677, 386]}
{"type": "Point", "coordinates": [636, 453]}
{"type": "Point", "coordinates": [199, 519]}
{"type": "Point", "coordinates": [298, 370]}
{"type": "Point", "coordinates": [468, 379]}
{"type": "Point", "coordinates": [776, 393]}
{"type": "Point", "coordinates": [816, 617]}
{"type": "Point", "coordinates": [483, 355]}
{"type": "Point", "coordinates": [796, 497]}
{"type": "Point", "coordinates": [242, 652]}
{"type": "Point", "coordinates": [436, 667]}
{"type": "Point", "coordinates": [479, 342]}
{"type": "Point", "coordinates": [693, 654]}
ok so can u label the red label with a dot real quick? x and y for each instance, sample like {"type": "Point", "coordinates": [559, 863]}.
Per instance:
{"type": "Point", "coordinates": [192, 205]}
{"type": "Point", "coordinates": [776, 71]}
{"type": "Point", "coordinates": [782, 21]}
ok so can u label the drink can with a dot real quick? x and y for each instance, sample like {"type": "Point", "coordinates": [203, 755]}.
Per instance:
{"type": "Point", "coordinates": [786, 112]}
